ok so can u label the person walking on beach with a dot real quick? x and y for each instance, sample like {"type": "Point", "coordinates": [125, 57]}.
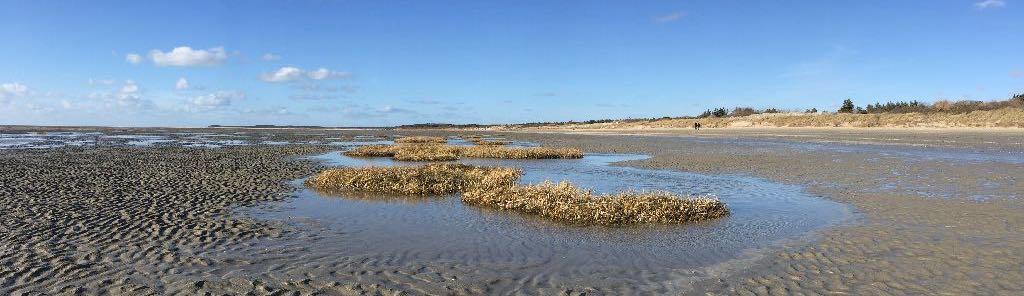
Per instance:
{"type": "Point", "coordinates": [696, 126]}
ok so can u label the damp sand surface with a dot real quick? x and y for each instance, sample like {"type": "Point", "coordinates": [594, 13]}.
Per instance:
{"type": "Point", "coordinates": [106, 217]}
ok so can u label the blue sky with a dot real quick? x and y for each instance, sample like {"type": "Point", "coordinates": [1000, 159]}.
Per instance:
{"type": "Point", "coordinates": [369, 63]}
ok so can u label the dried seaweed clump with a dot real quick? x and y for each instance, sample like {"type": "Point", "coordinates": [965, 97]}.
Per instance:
{"type": "Point", "coordinates": [567, 203]}
{"type": "Point", "coordinates": [433, 179]}
{"type": "Point", "coordinates": [521, 153]}
{"type": "Point", "coordinates": [421, 140]}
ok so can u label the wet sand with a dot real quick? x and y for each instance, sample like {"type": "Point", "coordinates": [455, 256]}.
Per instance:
{"type": "Point", "coordinates": [936, 219]}
{"type": "Point", "coordinates": [939, 213]}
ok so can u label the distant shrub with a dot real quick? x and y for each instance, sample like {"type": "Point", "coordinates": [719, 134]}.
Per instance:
{"type": "Point", "coordinates": [771, 110]}
{"type": "Point", "coordinates": [719, 112]}
{"type": "Point", "coordinates": [742, 111]}
{"type": "Point", "coordinates": [898, 107]}
{"type": "Point", "coordinates": [812, 110]}
{"type": "Point", "coordinates": [847, 106]}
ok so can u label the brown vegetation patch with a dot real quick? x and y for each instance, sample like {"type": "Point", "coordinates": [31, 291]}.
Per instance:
{"type": "Point", "coordinates": [491, 142]}
{"type": "Point", "coordinates": [521, 153]}
{"type": "Point", "coordinates": [567, 203]}
{"type": "Point", "coordinates": [421, 140]}
{"type": "Point", "coordinates": [496, 187]}
{"type": "Point", "coordinates": [432, 179]}
{"type": "Point", "coordinates": [437, 152]}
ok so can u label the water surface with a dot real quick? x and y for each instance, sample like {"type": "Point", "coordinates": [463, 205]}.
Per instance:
{"type": "Point", "coordinates": [442, 229]}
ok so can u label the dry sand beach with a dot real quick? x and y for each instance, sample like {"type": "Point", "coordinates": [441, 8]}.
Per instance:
{"type": "Point", "coordinates": [222, 211]}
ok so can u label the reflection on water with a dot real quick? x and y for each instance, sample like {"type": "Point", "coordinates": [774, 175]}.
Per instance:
{"type": "Point", "coordinates": [442, 229]}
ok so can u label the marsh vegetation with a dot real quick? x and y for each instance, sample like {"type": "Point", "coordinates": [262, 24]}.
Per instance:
{"type": "Point", "coordinates": [445, 152]}
{"type": "Point", "coordinates": [498, 188]}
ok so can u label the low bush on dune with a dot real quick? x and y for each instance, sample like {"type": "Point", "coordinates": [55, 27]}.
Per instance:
{"type": "Point", "coordinates": [421, 140]}
{"type": "Point", "coordinates": [567, 203]}
{"type": "Point", "coordinates": [433, 179]}
{"type": "Point", "coordinates": [439, 152]}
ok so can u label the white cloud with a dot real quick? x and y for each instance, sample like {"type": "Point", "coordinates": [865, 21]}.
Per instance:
{"type": "Point", "coordinates": [13, 89]}
{"type": "Point", "coordinates": [324, 73]}
{"type": "Point", "coordinates": [185, 56]}
{"type": "Point", "coordinates": [671, 17]}
{"type": "Point", "coordinates": [284, 74]}
{"type": "Point", "coordinates": [270, 57]}
{"type": "Point", "coordinates": [989, 4]}
{"type": "Point", "coordinates": [214, 100]}
{"type": "Point", "coordinates": [128, 96]}
{"type": "Point", "coordinates": [289, 73]}
{"type": "Point", "coordinates": [129, 87]}
{"type": "Point", "coordinates": [182, 84]}
{"type": "Point", "coordinates": [133, 58]}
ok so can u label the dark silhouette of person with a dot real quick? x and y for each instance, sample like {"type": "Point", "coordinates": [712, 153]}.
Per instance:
{"type": "Point", "coordinates": [696, 126]}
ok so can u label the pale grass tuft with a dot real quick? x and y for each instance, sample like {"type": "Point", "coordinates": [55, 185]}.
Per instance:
{"type": "Point", "coordinates": [483, 142]}
{"type": "Point", "coordinates": [436, 152]}
{"type": "Point", "coordinates": [521, 153]}
{"type": "Point", "coordinates": [421, 140]}
{"type": "Point", "coordinates": [432, 179]}
{"type": "Point", "coordinates": [567, 203]}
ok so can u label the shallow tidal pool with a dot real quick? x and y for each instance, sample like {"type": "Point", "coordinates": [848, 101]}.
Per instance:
{"type": "Point", "coordinates": [428, 230]}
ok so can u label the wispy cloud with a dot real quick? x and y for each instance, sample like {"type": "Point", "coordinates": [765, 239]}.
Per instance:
{"type": "Point", "coordinates": [13, 89]}
{"type": "Point", "coordinates": [671, 17]}
{"type": "Point", "coordinates": [312, 97]}
{"type": "Point", "coordinates": [270, 57]}
{"type": "Point", "coordinates": [213, 101]}
{"type": "Point", "coordinates": [133, 58]}
{"type": "Point", "coordinates": [283, 74]}
{"type": "Point", "coordinates": [101, 81]}
{"type": "Point", "coordinates": [989, 4]}
{"type": "Point", "coordinates": [181, 84]}
{"type": "Point", "coordinates": [324, 73]}
{"type": "Point", "coordinates": [289, 73]}
{"type": "Point", "coordinates": [127, 96]}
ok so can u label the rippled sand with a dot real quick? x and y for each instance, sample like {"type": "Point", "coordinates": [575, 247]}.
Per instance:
{"type": "Point", "coordinates": [937, 213]}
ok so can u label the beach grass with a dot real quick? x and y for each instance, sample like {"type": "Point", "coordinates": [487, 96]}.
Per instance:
{"type": "Point", "coordinates": [567, 203]}
{"type": "Point", "coordinates": [421, 140]}
{"type": "Point", "coordinates": [501, 152]}
{"type": "Point", "coordinates": [492, 142]}
{"type": "Point", "coordinates": [431, 179]}
{"type": "Point", "coordinates": [495, 187]}
{"type": "Point", "coordinates": [444, 152]}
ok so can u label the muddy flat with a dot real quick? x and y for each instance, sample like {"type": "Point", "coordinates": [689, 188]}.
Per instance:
{"type": "Point", "coordinates": [815, 211]}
